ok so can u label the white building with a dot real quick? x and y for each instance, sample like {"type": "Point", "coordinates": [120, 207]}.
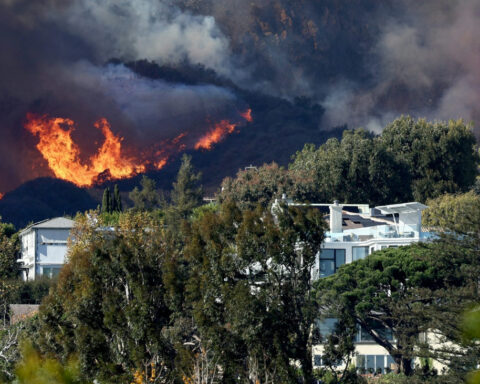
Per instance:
{"type": "Point", "coordinates": [43, 247]}
{"type": "Point", "coordinates": [356, 230]}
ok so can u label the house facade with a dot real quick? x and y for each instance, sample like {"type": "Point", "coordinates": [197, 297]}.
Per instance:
{"type": "Point", "coordinates": [355, 231]}
{"type": "Point", "coordinates": [44, 247]}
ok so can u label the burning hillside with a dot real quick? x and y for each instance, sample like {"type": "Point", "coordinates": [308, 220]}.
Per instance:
{"type": "Point", "coordinates": [112, 160]}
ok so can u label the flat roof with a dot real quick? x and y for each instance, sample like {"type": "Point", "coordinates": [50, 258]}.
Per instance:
{"type": "Point", "coordinates": [402, 208]}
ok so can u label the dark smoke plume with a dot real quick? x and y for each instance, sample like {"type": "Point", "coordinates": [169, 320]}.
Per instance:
{"type": "Point", "coordinates": [364, 61]}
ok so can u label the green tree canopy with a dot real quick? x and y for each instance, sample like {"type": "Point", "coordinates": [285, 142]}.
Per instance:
{"type": "Point", "coordinates": [107, 202]}
{"type": "Point", "coordinates": [406, 291]}
{"type": "Point", "coordinates": [250, 289]}
{"type": "Point", "coordinates": [9, 248]}
{"type": "Point", "coordinates": [459, 213]}
{"type": "Point", "coordinates": [109, 307]}
{"type": "Point", "coordinates": [410, 160]}
{"type": "Point", "coordinates": [117, 205]}
{"type": "Point", "coordinates": [441, 156]}
{"type": "Point", "coordinates": [187, 192]}
{"type": "Point", "coordinates": [146, 199]}
{"type": "Point", "coordinates": [261, 185]}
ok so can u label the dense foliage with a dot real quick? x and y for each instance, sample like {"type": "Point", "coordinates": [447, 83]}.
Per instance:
{"type": "Point", "coordinates": [409, 291]}
{"type": "Point", "coordinates": [410, 160]}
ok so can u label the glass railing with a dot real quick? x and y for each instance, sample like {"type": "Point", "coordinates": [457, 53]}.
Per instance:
{"type": "Point", "coordinates": [369, 233]}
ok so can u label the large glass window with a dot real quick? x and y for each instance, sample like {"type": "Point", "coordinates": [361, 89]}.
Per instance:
{"type": "Point", "coordinates": [363, 335]}
{"type": "Point", "coordinates": [374, 363]}
{"type": "Point", "coordinates": [359, 253]}
{"type": "Point", "coordinates": [326, 327]}
{"type": "Point", "coordinates": [330, 261]}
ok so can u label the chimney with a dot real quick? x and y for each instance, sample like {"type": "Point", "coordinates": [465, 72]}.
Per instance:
{"type": "Point", "coordinates": [335, 217]}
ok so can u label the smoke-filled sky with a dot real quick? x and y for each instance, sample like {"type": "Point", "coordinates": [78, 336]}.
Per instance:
{"type": "Point", "coordinates": [364, 61]}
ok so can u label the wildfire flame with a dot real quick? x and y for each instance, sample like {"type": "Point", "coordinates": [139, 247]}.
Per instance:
{"type": "Point", "coordinates": [1, 195]}
{"type": "Point", "coordinates": [219, 131]}
{"type": "Point", "coordinates": [216, 134]}
{"type": "Point", "coordinates": [109, 162]}
{"type": "Point", "coordinates": [63, 155]}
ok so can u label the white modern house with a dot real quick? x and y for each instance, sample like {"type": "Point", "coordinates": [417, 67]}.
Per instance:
{"type": "Point", "coordinates": [43, 247]}
{"type": "Point", "coordinates": [358, 230]}
{"type": "Point", "coordinates": [355, 231]}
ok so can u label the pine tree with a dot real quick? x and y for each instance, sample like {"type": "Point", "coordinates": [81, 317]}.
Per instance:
{"type": "Point", "coordinates": [117, 200]}
{"type": "Point", "coordinates": [146, 199]}
{"type": "Point", "coordinates": [187, 192]}
{"type": "Point", "coordinates": [107, 201]}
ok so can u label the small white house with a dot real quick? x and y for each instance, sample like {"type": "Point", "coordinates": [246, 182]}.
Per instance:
{"type": "Point", "coordinates": [43, 247]}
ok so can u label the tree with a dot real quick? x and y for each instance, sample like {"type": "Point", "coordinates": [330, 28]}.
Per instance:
{"type": "Point", "coordinates": [146, 199]}
{"type": "Point", "coordinates": [406, 291]}
{"type": "Point", "coordinates": [262, 185]}
{"type": "Point", "coordinates": [250, 289]}
{"type": "Point", "coordinates": [441, 156]}
{"type": "Point", "coordinates": [411, 159]}
{"type": "Point", "coordinates": [9, 248]}
{"type": "Point", "coordinates": [107, 201]}
{"type": "Point", "coordinates": [459, 213]}
{"type": "Point", "coordinates": [37, 369]}
{"type": "Point", "coordinates": [187, 192]}
{"type": "Point", "coordinates": [117, 200]}
{"type": "Point", "coordinates": [109, 307]}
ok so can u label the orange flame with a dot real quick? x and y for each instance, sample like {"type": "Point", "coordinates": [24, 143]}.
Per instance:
{"type": "Point", "coordinates": [1, 195]}
{"type": "Point", "coordinates": [109, 162]}
{"type": "Point", "coordinates": [219, 131]}
{"type": "Point", "coordinates": [63, 155]}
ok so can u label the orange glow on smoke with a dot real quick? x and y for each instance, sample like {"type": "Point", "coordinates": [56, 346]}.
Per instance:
{"type": "Point", "coordinates": [63, 155]}
{"type": "Point", "coordinates": [1, 195]}
{"type": "Point", "coordinates": [220, 131]}
{"type": "Point", "coordinates": [247, 115]}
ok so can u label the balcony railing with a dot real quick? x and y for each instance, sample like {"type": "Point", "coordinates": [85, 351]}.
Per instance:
{"type": "Point", "coordinates": [364, 234]}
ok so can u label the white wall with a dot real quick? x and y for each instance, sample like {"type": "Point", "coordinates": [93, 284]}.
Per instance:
{"type": "Point", "coordinates": [43, 247]}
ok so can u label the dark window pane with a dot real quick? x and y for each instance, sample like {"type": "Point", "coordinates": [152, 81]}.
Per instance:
{"type": "Point", "coordinates": [339, 257]}
{"type": "Point", "coordinates": [326, 327]}
{"type": "Point", "coordinates": [327, 268]}
{"type": "Point", "coordinates": [361, 361]}
{"type": "Point", "coordinates": [380, 362]}
{"type": "Point", "coordinates": [327, 254]}
{"type": "Point", "coordinates": [371, 362]}
{"type": "Point", "coordinates": [359, 253]}
{"type": "Point", "coordinates": [364, 335]}
{"type": "Point", "coordinates": [390, 362]}
{"type": "Point", "coordinates": [317, 360]}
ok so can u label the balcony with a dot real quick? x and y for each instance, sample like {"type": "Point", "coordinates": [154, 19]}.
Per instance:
{"type": "Point", "coordinates": [379, 232]}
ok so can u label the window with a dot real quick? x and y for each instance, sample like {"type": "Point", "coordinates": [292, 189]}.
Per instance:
{"type": "Point", "coordinates": [363, 335]}
{"type": "Point", "coordinates": [318, 361]}
{"type": "Point", "coordinates": [326, 327]}
{"type": "Point", "coordinates": [359, 253]}
{"type": "Point", "coordinates": [330, 261]}
{"type": "Point", "coordinates": [374, 363]}
{"type": "Point", "coordinates": [50, 271]}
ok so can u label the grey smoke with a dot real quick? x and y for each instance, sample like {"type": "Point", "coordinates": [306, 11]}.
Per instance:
{"type": "Point", "coordinates": [421, 58]}
{"type": "Point", "coordinates": [427, 65]}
